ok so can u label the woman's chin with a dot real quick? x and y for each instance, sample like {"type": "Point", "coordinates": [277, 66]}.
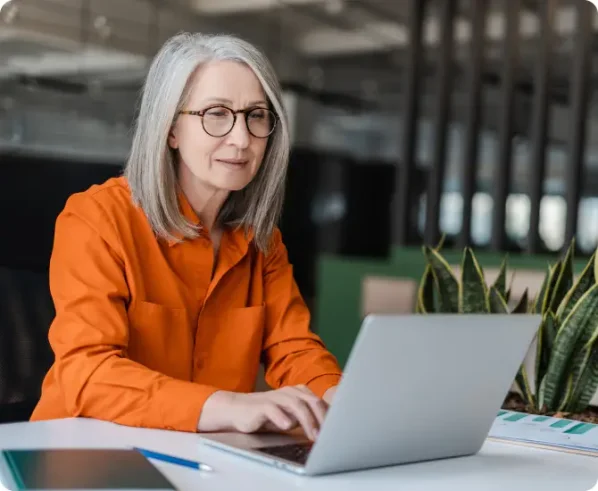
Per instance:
{"type": "Point", "coordinates": [232, 183]}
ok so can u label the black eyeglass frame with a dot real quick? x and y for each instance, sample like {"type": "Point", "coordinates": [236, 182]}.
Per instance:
{"type": "Point", "coordinates": [245, 112]}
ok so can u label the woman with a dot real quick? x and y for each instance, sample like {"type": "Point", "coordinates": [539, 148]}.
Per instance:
{"type": "Point", "coordinates": [171, 283]}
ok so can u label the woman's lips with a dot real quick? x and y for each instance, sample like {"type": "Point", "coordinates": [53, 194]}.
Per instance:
{"type": "Point", "coordinates": [233, 163]}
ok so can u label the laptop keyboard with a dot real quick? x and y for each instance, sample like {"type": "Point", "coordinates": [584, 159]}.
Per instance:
{"type": "Point", "coordinates": [293, 452]}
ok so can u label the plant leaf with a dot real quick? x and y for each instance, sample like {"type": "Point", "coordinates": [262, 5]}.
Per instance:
{"type": "Point", "coordinates": [472, 289]}
{"type": "Point", "coordinates": [500, 283]}
{"type": "Point", "coordinates": [544, 342]}
{"type": "Point", "coordinates": [446, 283]}
{"type": "Point", "coordinates": [581, 356]}
{"type": "Point", "coordinates": [587, 381]}
{"type": "Point", "coordinates": [554, 276]}
{"type": "Point", "coordinates": [537, 306]}
{"type": "Point", "coordinates": [522, 381]}
{"type": "Point", "coordinates": [521, 307]}
{"type": "Point", "coordinates": [586, 279]}
{"type": "Point", "coordinates": [551, 330]}
{"type": "Point", "coordinates": [566, 394]}
{"type": "Point", "coordinates": [425, 294]}
{"type": "Point", "coordinates": [563, 282]}
{"type": "Point", "coordinates": [507, 295]}
{"type": "Point", "coordinates": [496, 302]}
{"type": "Point", "coordinates": [440, 244]}
{"type": "Point", "coordinates": [541, 406]}
{"type": "Point", "coordinates": [575, 331]}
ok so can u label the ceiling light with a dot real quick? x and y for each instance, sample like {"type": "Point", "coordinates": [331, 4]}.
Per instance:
{"type": "Point", "coordinates": [593, 2]}
{"type": "Point", "coordinates": [3, 3]}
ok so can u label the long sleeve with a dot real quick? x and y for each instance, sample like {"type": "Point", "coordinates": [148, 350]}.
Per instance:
{"type": "Point", "coordinates": [90, 332]}
{"type": "Point", "coordinates": [292, 353]}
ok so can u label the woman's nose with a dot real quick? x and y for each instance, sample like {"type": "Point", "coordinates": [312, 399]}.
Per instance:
{"type": "Point", "coordinates": [239, 135]}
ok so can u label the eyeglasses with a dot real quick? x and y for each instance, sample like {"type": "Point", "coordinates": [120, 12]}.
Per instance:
{"type": "Point", "coordinates": [219, 121]}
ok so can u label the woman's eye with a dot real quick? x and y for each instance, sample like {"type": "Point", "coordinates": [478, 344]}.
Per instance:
{"type": "Point", "coordinates": [216, 114]}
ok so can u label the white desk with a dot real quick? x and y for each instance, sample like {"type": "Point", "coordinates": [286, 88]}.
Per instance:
{"type": "Point", "coordinates": [497, 467]}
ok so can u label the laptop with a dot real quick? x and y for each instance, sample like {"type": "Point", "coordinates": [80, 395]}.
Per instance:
{"type": "Point", "coordinates": [415, 388]}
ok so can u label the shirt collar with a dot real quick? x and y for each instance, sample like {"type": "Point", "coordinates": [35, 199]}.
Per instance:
{"type": "Point", "coordinates": [238, 236]}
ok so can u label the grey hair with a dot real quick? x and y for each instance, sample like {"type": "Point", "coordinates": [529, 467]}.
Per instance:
{"type": "Point", "coordinates": [151, 166]}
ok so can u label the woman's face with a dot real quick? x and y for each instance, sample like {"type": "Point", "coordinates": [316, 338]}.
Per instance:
{"type": "Point", "coordinates": [218, 161]}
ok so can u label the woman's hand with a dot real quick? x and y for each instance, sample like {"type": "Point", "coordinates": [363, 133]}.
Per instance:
{"type": "Point", "coordinates": [276, 410]}
{"type": "Point", "coordinates": [329, 395]}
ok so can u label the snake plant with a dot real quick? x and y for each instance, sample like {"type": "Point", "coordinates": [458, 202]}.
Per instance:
{"type": "Point", "coordinates": [566, 358]}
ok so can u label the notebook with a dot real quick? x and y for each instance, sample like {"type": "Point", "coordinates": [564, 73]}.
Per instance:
{"type": "Point", "coordinates": [97, 469]}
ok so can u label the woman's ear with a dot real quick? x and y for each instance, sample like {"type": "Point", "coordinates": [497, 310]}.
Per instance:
{"type": "Point", "coordinates": [172, 139]}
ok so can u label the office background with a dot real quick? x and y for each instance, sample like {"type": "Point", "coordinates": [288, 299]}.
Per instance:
{"type": "Point", "coordinates": [410, 119]}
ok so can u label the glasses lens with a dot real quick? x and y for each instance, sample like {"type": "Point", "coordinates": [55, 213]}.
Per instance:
{"type": "Point", "coordinates": [218, 121]}
{"type": "Point", "coordinates": [260, 122]}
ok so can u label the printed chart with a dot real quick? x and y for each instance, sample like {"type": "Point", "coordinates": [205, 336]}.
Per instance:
{"type": "Point", "coordinates": [545, 431]}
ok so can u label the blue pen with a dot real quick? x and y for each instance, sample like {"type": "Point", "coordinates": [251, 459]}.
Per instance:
{"type": "Point", "coordinates": [150, 454]}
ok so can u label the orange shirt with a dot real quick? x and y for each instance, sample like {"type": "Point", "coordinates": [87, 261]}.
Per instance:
{"type": "Point", "coordinates": [144, 332]}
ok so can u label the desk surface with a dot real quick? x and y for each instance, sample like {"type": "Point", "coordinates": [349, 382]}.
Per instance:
{"type": "Point", "coordinates": [497, 467]}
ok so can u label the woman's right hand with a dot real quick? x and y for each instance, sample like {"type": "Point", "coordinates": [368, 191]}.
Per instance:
{"type": "Point", "coordinates": [276, 410]}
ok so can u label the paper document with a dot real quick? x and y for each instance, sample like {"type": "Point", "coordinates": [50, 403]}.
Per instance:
{"type": "Point", "coordinates": [545, 431]}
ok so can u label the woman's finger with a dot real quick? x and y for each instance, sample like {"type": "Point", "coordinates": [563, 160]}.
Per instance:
{"type": "Point", "coordinates": [279, 418]}
{"type": "Point", "coordinates": [318, 406]}
{"type": "Point", "coordinates": [299, 409]}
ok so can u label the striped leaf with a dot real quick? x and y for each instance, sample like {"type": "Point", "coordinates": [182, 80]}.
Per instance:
{"type": "Point", "coordinates": [440, 244]}
{"type": "Point", "coordinates": [496, 302]}
{"type": "Point", "coordinates": [500, 283]}
{"type": "Point", "coordinates": [544, 343]}
{"type": "Point", "coordinates": [582, 353]}
{"type": "Point", "coordinates": [551, 329]}
{"type": "Point", "coordinates": [565, 396]}
{"type": "Point", "coordinates": [445, 281]}
{"type": "Point", "coordinates": [537, 306]}
{"type": "Point", "coordinates": [522, 381]}
{"type": "Point", "coordinates": [522, 305]}
{"type": "Point", "coordinates": [540, 405]}
{"type": "Point", "coordinates": [586, 383]}
{"type": "Point", "coordinates": [576, 330]}
{"type": "Point", "coordinates": [510, 287]}
{"type": "Point", "coordinates": [586, 279]}
{"type": "Point", "coordinates": [425, 294]}
{"type": "Point", "coordinates": [473, 297]}
{"type": "Point", "coordinates": [592, 339]}
{"type": "Point", "coordinates": [563, 281]}
{"type": "Point", "coordinates": [554, 277]}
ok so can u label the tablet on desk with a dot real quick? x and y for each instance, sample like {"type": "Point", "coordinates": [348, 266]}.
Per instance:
{"type": "Point", "coordinates": [97, 469]}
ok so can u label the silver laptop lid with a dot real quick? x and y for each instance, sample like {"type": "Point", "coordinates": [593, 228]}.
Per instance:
{"type": "Point", "coordinates": [421, 387]}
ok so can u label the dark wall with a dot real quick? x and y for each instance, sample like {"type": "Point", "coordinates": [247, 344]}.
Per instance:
{"type": "Point", "coordinates": [367, 226]}
{"type": "Point", "coordinates": [33, 191]}
{"type": "Point", "coordinates": [315, 180]}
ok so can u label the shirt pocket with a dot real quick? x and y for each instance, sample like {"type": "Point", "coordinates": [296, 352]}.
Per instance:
{"type": "Point", "coordinates": [160, 338]}
{"type": "Point", "coordinates": [229, 346]}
